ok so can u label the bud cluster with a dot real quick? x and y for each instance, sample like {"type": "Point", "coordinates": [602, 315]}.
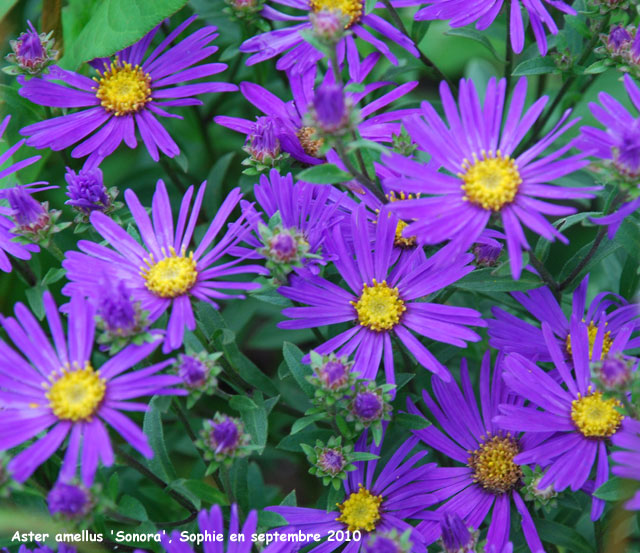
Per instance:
{"type": "Point", "coordinates": [198, 372]}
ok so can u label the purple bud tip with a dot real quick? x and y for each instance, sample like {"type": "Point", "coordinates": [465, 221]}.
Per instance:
{"type": "Point", "coordinates": [627, 155]}
{"type": "Point", "coordinates": [455, 534]}
{"type": "Point", "coordinates": [118, 311]}
{"type": "Point", "coordinates": [26, 212]}
{"type": "Point", "coordinates": [283, 246]}
{"type": "Point", "coordinates": [69, 500]}
{"type": "Point", "coordinates": [29, 48]}
{"type": "Point", "coordinates": [614, 372]}
{"type": "Point", "coordinates": [334, 374]}
{"type": "Point", "coordinates": [330, 108]}
{"type": "Point", "coordinates": [486, 254]}
{"type": "Point", "coordinates": [367, 406]}
{"type": "Point", "coordinates": [262, 141]}
{"type": "Point", "coordinates": [331, 461]}
{"type": "Point", "coordinates": [192, 371]}
{"type": "Point", "coordinates": [86, 190]}
{"type": "Point", "coordinates": [618, 36]}
{"type": "Point", "coordinates": [224, 435]}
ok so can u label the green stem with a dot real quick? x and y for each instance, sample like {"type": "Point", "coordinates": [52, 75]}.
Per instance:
{"type": "Point", "coordinates": [137, 465]}
{"type": "Point", "coordinates": [362, 179]}
{"type": "Point", "coordinates": [172, 175]}
{"type": "Point", "coordinates": [26, 272]}
{"type": "Point", "coordinates": [508, 62]}
{"type": "Point", "coordinates": [54, 249]}
{"type": "Point", "coordinates": [540, 123]}
{"type": "Point", "coordinates": [429, 64]}
{"type": "Point", "coordinates": [545, 275]}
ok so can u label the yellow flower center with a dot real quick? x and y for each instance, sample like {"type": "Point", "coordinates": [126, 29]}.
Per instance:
{"type": "Point", "coordinates": [361, 510]}
{"type": "Point", "coordinates": [310, 145]}
{"type": "Point", "coordinates": [592, 330]}
{"type": "Point", "coordinates": [350, 8]}
{"type": "Point", "coordinates": [399, 240]}
{"type": "Point", "coordinates": [172, 276]}
{"type": "Point", "coordinates": [123, 88]}
{"type": "Point", "coordinates": [490, 182]}
{"type": "Point", "coordinates": [493, 466]}
{"type": "Point", "coordinates": [379, 307]}
{"type": "Point", "coordinates": [594, 416]}
{"type": "Point", "coordinates": [76, 394]}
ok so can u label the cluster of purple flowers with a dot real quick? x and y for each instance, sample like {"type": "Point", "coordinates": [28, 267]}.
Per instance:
{"type": "Point", "coordinates": [368, 250]}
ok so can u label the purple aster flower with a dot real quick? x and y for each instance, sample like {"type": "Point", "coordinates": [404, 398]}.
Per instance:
{"type": "Point", "coordinates": [55, 390]}
{"type": "Point", "coordinates": [69, 500]}
{"type": "Point", "coordinates": [86, 190]}
{"type": "Point", "coordinates": [171, 273]}
{"type": "Point", "coordinates": [382, 301]}
{"type": "Point", "coordinates": [572, 419]}
{"type": "Point", "coordinates": [605, 318]}
{"type": "Point", "coordinates": [295, 136]}
{"type": "Point", "coordinates": [482, 178]}
{"type": "Point", "coordinates": [375, 501]}
{"type": "Point", "coordinates": [618, 144]}
{"type": "Point", "coordinates": [301, 57]}
{"type": "Point", "coordinates": [130, 91]}
{"type": "Point", "coordinates": [484, 13]}
{"type": "Point", "coordinates": [627, 461]}
{"type": "Point", "coordinates": [490, 478]}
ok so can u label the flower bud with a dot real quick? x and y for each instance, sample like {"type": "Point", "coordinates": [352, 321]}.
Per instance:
{"type": "Point", "coordinates": [614, 372]}
{"type": "Point", "coordinates": [86, 191]}
{"type": "Point", "coordinates": [329, 25]}
{"type": "Point", "coordinates": [223, 439]}
{"type": "Point", "coordinates": [456, 537]}
{"type": "Point", "coordinates": [32, 53]}
{"type": "Point", "coordinates": [70, 501]}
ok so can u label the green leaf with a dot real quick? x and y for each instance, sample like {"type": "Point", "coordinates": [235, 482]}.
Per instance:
{"type": "Point", "coordinates": [535, 66]}
{"type": "Point", "coordinates": [363, 456]}
{"type": "Point", "coordinates": [5, 7]}
{"type": "Point", "coordinates": [369, 6]}
{"type": "Point", "coordinates": [53, 275]}
{"type": "Point", "coordinates": [484, 280]}
{"type": "Point", "coordinates": [160, 464]}
{"type": "Point", "coordinates": [205, 492]}
{"type": "Point", "coordinates": [563, 536]}
{"type": "Point", "coordinates": [292, 443]}
{"type": "Point", "coordinates": [334, 497]}
{"type": "Point", "coordinates": [629, 236]}
{"type": "Point", "coordinates": [132, 508]}
{"type": "Point", "coordinates": [242, 403]}
{"type": "Point", "coordinates": [413, 422]}
{"type": "Point", "coordinates": [477, 36]}
{"type": "Point", "coordinates": [615, 489]}
{"type": "Point", "coordinates": [599, 66]}
{"type": "Point", "coordinates": [116, 24]}
{"type": "Point", "coordinates": [293, 357]}
{"type": "Point", "coordinates": [34, 298]}
{"type": "Point", "coordinates": [327, 173]}
{"type": "Point", "coordinates": [605, 249]}
{"type": "Point", "coordinates": [302, 423]}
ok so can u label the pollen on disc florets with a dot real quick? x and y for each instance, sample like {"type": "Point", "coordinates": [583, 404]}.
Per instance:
{"type": "Point", "coordinates": [361, 510]}
{"type": "Point", "coordinates": [379, 307]}
{"type": "Point", "coordinates": [493, 466]}
{"type": "Point", "coordinates": [594, 416]}
{"type": "Point", "coordinates": [123, 88]}
{"type": "Point", "coordinates": [401, 241]}
{"type": "Point", "coordinates": [75, 393]}
{"type": "Point", "coordinates": [350, 8]}
{"type": "Point", "coordinates": [592, 331]}
{"type": "Point", "coordinates": [310, 144]}
{"type": "Point", "coordinates": [172, 276]}
{"type": "Point", "coordinates": [490, 182]}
